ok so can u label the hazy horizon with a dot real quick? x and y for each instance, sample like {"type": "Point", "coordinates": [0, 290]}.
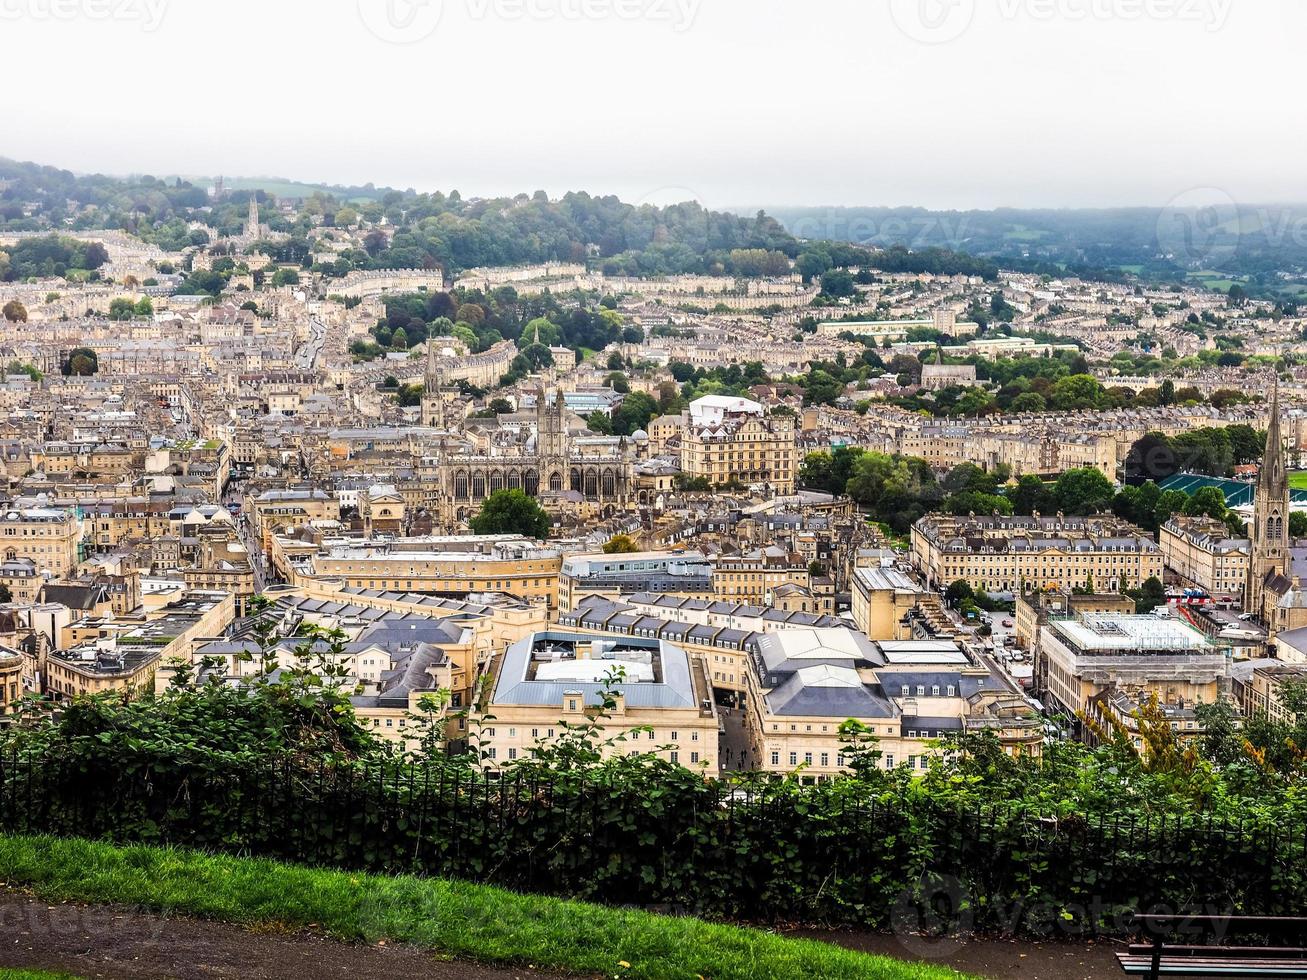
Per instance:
{"type": "Point", "coordinates": [938, 104]}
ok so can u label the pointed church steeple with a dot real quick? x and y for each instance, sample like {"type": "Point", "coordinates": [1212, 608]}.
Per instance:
{"type": "Point", "coordinates": [1274, 471]}
{"type": "Point", "coordinates": [1270, 525]}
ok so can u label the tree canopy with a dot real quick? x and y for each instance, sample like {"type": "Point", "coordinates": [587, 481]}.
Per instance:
{"type": "Point", "coordinates": [511, 512]}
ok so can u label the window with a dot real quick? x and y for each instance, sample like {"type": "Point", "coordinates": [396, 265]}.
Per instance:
{"type": "Point", "coordinates": [694, 758]}
{"type": "Point", "coordinates": [694, 736]}
{"type": "Point", "coordinates": [889, 762]}
{"type": "Point", "coordinates": [775, 758]}
{"type": "Point", "coordinates": [825, 758]}
{"type": "Point", "coordinates": [676, 756]}
{"type": "Point", "coordinates": [934, 690]}
{"type": "Point", "coordinates": [676, 736]}
{"type": "Point", "coordinates": [794, 758]}
{"type": "Point", "coordinates": [512, 753]}
{"type": "Point", "coordinates": [951, 690]}
{"type": "Point", "coordinates": [906, 690]}
{"type": "Point", "coordinates": [807, 758]}
{"type": "Point", "coordinates": [921, 690]}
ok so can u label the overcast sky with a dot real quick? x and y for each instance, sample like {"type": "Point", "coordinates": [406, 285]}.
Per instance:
{"type": "Point", "coordinates": [939, 103]}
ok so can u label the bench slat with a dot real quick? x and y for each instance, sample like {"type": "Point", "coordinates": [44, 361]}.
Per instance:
{"type": "Point", "coordinates": [1213, 966]}
{"type": "Point", "coordinates": [1265, 952]}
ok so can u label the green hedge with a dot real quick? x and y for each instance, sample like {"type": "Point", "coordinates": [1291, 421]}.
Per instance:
{"type": "Point", "coordinates": [872, 853]}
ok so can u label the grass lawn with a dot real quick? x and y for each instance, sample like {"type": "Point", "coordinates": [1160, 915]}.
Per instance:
{"type": "Point", "coordinates": [8, 974]}
{"type": "Point", "coordinates": [1298, 480]}
{"type": "Point", "coordinates": [457, 919]}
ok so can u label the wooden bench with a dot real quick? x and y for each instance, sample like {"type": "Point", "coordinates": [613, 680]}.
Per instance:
{"type": "Point", "coordinates": [1158, 953]}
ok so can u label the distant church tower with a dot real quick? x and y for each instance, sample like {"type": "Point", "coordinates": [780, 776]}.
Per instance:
{"type": "Point", "coordinates": [1270, 528]}
{"type": "Point", "coordinates": [551, 442]}
{"type": "Point", "coordinates": [433, 383]}
{"type": "Point", "coordinates": [252, 221]}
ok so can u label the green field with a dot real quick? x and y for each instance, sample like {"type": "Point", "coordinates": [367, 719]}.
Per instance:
{"type": "Point", "coordinates": [454, 918]}
{"type": "Point", "coordinates": [1298, 480]}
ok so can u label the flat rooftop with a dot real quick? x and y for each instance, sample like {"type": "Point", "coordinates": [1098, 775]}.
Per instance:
{"type": "Point", "coordinates": [1137, 633]}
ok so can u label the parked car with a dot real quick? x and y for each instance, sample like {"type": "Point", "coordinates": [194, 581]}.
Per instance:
{"type": "Point", "coordinates": [1007, 622]}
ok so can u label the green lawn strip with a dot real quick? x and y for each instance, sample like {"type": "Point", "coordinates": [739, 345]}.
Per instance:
{"type": "Point", "coordinates": [453, 918]}
{"type": "Point", "coordinates": [9, 974]}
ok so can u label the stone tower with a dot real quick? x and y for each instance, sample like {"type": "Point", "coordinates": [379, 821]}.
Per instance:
{"type": "Point", "coordinates": [551, 441]}
{"type": "Point", "coordinates": [1270, 526]}
{"type": "Point", "coordinates": [252, 220]}
{"type": "Point", "coordinates": [433, 383]}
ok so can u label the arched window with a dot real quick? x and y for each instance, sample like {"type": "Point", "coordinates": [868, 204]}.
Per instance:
{"type": "Point", "coordinates": [556, 482]}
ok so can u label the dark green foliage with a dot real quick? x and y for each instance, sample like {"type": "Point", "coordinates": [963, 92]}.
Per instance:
{"type": "Point", "coordinates": [53, 255]}
{"type": "Point", "coordinates": [511, 512]}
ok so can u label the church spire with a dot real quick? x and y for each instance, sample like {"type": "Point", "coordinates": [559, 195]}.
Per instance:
{"type": "Point", "coordinates": [1274, 471]}
{"type": "Point", "coordinates": [1269, 556]}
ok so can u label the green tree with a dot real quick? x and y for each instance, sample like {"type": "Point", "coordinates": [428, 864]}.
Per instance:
{"type": "Point", "coordinates": [958, 591]}
{"type": "Point", "coordinates": [1083, 491]}
{"type": "Point", "coordinates": [511, 512]}
{"type": "Point", "coordinates": [1207, 502]}
{"type": "Point", "coordinates": [1169, 503]}
{"type": "Point", "coordinates": [15, 312]}
{"type": "Point", "coordinates": [1297, 524]}
{"type": "Point", "coordinates": [1030, 495]}
{"type": "Point", "coordinates": [1148, 596]}
{"type": "Point", "coordinates": [636, 410]}
{"type": "Point", "coordinates": [82, 362]}
{"type": "Point", "coordinates": [620, 544]}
